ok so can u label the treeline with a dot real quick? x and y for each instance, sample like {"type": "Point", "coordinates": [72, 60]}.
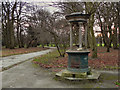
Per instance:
{"type": "Point", "coordinates": [103, 14]}
{"type": "Point", "coordinates": [12, 27]}
{"type": "Point", "coordinates": [28, 25]}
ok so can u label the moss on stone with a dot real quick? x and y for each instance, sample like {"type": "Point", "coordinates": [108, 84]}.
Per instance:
{"type": "Point", "coordinates": [74, 75]}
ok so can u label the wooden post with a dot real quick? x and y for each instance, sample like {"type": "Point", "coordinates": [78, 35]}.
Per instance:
{"type": "Point", "coordinates": [80, 36]}
{"type": "Point", "coordinates": [71, 35]}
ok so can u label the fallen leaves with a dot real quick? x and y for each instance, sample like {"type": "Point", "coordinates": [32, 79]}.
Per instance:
{"type": "Point", "coordinates": [105, 60]}
{"type": "Point", "coordinates": [8, 52]}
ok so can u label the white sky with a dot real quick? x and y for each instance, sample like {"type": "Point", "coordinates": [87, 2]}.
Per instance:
{"type": "Point", "coordinates": [63, 0]}
{"type": "Point", "coordinates": [43, 4]}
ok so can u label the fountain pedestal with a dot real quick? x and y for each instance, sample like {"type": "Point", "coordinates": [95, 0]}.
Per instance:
{"type": "Point", "coordinates": [78, 67]}
{"type": "Point", "coordinates": [78, 59]}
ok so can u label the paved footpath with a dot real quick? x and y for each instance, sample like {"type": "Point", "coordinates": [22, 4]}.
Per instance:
{"type": "Point", "coordinates": [27, 75]}
{"type": "Point", "coordinates": [14, 59]}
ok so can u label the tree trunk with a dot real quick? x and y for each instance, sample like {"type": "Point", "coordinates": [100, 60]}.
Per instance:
{"type": "Point", "coordinates": [108, 49]}
{"type": "Point", "coordinates": [119, 21]}
{"type": "Point", "coordinates": [18, 38]}
{"type": "Point", "coordinates": [114, 39]}
{"type": "Point", "coordinates": [88, 37]}
{"type": "Point", "coordinates": [7, 36]}
{"type": "Point", "coordinates": [7, 28]}
{"type": "Point", "coordinates": [11, 36]}
{"type": "Point", "coordinates": [102, 30]}
{"type": "Point", "coordinates": [100, 40]}
{"type": "Point", "coordinates": [94, 45]}
{"type": "Point", "coordinates": [12, 27]}
{"type": "Point", "coordinates": [21, 38]}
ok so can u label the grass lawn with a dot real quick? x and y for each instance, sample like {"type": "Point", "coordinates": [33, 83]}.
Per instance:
{"type": "Point", "coordinates": [8, 52]}
{"type": "Point", "coordinates": [49, 60]}
{"type": "Point", "coordinates": [104, 45]}
{"type": "Point", "coordinates": [50, 45]}
{"type": "Point", "coordinates": [105, 60]}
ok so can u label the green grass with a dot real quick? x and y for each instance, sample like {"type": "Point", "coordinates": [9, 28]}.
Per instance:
{"type": "Point", "coordinates": [53, 45]}
{"type": "Point", "coordinates": [117, 83]}
{"type": "Point", "coordinates": [111, 45]}
{"type": "Point", "coordinates": [118, 45]}
{"type": "Point", "coordinates": [50, 45]}
{"type": "Point", "coordinates": [39, 45]}
{"type": "Point", "coordinates": [99, 45]}
{"type": "Point", "coordinates": [47, 58]}
{"type": "Point", "coordinates": [104, 45]}
{"type": "Point", "coordinates": [112, 67]}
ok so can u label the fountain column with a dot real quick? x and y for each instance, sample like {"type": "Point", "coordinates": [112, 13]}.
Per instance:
{"type": "Point", "coordinates": [86, 35]}
{"type": "Point", "coordinates": [80, 36]}
{"type": "Point", "coordinates": [71, 39]}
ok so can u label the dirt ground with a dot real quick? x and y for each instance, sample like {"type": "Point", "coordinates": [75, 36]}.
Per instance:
{"type": "Point", "coordinates": [104, 61]}
{"type": "Point", "coordinates": [8, 52]}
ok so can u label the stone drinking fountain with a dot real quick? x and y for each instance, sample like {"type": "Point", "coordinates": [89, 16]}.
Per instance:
{"type": "Point", "coordinates": [78, 68]}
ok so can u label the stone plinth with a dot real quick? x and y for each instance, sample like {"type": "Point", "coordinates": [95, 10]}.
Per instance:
{"type": "Point", "coordinates": [78, 66]}
{"type": "Point", "coordinates": [78, 60]}
{"type": "Point", "coordinates": [66, 74]}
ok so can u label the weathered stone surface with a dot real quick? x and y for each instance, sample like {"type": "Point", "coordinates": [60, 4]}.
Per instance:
{"type": "Point", "coordinates": [78, 76]}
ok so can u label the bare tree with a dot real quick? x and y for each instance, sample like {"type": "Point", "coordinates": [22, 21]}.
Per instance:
{"type": "Point", "coordinates": [8, 19]}
{"type": "Point", "coordinates": [19, 17]}
{"type": "Point", "coordinates": [107, 14]}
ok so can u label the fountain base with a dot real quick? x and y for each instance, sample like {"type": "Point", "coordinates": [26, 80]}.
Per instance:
{"type": "Point", "coordinates": [92, 75]}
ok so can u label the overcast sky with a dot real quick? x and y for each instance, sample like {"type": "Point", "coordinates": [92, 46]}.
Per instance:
{"type": "Point", "coordinates": [43, 4]}
{"type": "Point", "coordinates": [64, 0]}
